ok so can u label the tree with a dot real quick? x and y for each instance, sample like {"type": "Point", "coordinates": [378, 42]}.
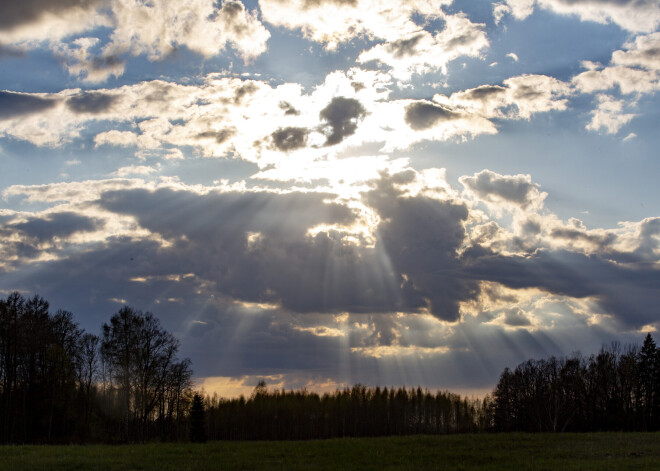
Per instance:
{"type": "Point", "coordinates": [647, 373]}
{"type": "Point", "coordinates": [197, 420]}
{"type": "Point", "coordinates": [143, 367]}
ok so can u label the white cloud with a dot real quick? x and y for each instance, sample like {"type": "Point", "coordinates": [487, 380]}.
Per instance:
{"type": "Point", "coordinates": [642, 16]}
{"type": "Point", "coordinates": [274, 125]}
{"type": "Point", "coordinates": [116, 138]}
{"type": "Point", "coordinates": [504, 191]}
{"type": "Point", "coordinates": [609, 115]}
{"type": "Point", "coordinates": [332, 22]}
{"type": "Point", "coordinates": [517, 98]}
{"type": "Point", "coordinates": [406, 47]}
{"type": "Point", "coordinates": [134, 170]}
{"type": "Point", "coordinates": [500, 10]}
{"type": "Point", "coordinates": [634, 70]}
{"type": "Point", "coordinates": [86, 65]}
{"type": "Point", "coordinates": [422, 52]}
{"type": "Point", "coordinates": [159, 27]}
{"type": "Point", "coordinates": [156, 28]}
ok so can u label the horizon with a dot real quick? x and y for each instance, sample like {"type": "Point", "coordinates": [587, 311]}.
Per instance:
{"type": "Point", "coordinates": [330, 192]}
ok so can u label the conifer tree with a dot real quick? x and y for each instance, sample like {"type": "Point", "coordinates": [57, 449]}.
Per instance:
{"type": "Point", "coordinates": [197, 420]}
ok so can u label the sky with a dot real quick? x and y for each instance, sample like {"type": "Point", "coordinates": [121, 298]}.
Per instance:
{"type": "Point", "coordinates": [320, 193]}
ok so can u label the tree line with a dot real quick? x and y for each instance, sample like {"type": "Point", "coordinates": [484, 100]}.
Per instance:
{"type": "Point", "coordinates": [351, 412]}
{"type": "Point", "coordinates": [616, 389]}
{"type": "Point", "coordinates": [60, 384]}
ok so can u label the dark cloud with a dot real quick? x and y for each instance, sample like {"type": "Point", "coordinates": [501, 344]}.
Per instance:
{"type": "Point", "coordinates": [464, 39]}
{"type": "Point", "coordinates": [490, 186]}
{"type": "Point", "coordinates": [342, 115]}
{"type": "Point", "coordinates": [105, 62]}
{"type": "Point", "coordinates": [233, 9]}
{"type": "Point", "coordinates": [232, 247]}
{"type": "Point", "coordinates": [580, 235]}
{"type": "Point", "coordinates": [424, 115]}
{"type": "Point", "coordinates": [531, 228]}
{"type": "Point", "coordinates": [516, 318]}
{"type": "Point", "coordinates": [246, 89]}
{"type": "Point", "coordinates": [405, 47]}
{"type": "Point", "coordinates": [357, 86]}
{"type": "Point", "coordinates": [288, 108]}
{"type": "Point", "coordinates": [220, 136]}
{"type": "Point", "coordinates": [233, 14]}
{"type": "Point", "coordinates": [630, 291]}
{"type": "Point", "coordinates": [91, 102]}
{"type": "Point", "coordinates": [18, 104]}
{"type": "Point", "coordinates": [484, 92]}
{"type": "Point", "coordinates": [527, 92]}
{"type": "Point", "coordinates": [255, 247]}
{"type": "Point", "coordinates": [281, 264]}
{"type": "Point", "coordinates": [23, 241]}
{"type": "Point", "coordinates": [421, 236]}
{"type": "Point", "coordinates": [160, 91]}
{"type": "Point", "coordinates": [286, 139]}
{"type": "Point", "coordinates": [56, 225]}
{"type": "Point", "coordinates": [16, 13]}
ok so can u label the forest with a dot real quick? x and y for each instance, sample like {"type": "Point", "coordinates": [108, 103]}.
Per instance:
{"type": "Point", "coordinates": [60, 384]}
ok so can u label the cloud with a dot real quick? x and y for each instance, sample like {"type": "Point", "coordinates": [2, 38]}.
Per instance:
{"type": "Point", "coordinates": [134, 170]}
{"type": "Point", "coordinates": [156, 28]}
{"type": "Point", "coordinates": [55, 225]}
{"type": "Point", "coordinates": [517, 98]}
{"type": "Point", "coordinates": [422, 52]}
{"type": "Point", "coordinates": [634, 70]}
{"type": "Point", "coordinates": [342, 116]}
{"type": "Point", "coordinates": [34, 20]}
{"type": "Point", "coordinates": [424, 115]}
{"type": "Point", "coordinates": [18, 104]}
{"type": "Point", "coordinates": [91, 102]}
{"type": "Point", "coordinates": [421, 237]}
{"type": "Point", "coordinates": [31, 11]}
{"type": "Point", "coordinates": [265, 294]}
{"type": "Point", "coordinates": [516, 318]}
{"type": "Point", "coordinates": [641, 16]}
{"type": "Point", "coordinates": [41, 236]}
{"type": "Point", "coordinates": [290, 138]}
{"type": "Point", "coordinates": [263, 251]}
{"type": "Point", "coordinates": [226, 116]}
{"type": "Point", "coordinates": [515, 190]}
{"type": "Point", "coordinates": [389, 20]}
{"type": "Point", "coordinates": [85, 64]}
{"type": "Point", "coordinates": [609, 115]}
{"type": "Point", "coordinates": [405, 45]}
{"type": "Point", "coordinates": [199, 25]}
{"type": "Point", "coordinates": [116, 138]}
{"type": "Point", "coordinates": [625, 291]}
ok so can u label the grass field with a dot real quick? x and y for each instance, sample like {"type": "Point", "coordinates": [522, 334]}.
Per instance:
{"type": "Point", "coordinates": [517, 452]}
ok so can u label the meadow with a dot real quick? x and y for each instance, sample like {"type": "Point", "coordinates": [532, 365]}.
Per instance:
{"type": "Point", "coordinates": [513, 451]}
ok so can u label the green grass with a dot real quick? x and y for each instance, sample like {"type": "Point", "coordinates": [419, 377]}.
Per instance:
{"type": "Point", "coordinates": [517, 452]}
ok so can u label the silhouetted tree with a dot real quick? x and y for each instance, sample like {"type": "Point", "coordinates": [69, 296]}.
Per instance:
{"type": "Point", "coordinates": [143, 369]}
{"type": "Point", "coordinates": [616, 389]}
{"type": "Point", "coordinates": [647, 373]}
{"type": "Point", "coordinates": [197, 420]}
